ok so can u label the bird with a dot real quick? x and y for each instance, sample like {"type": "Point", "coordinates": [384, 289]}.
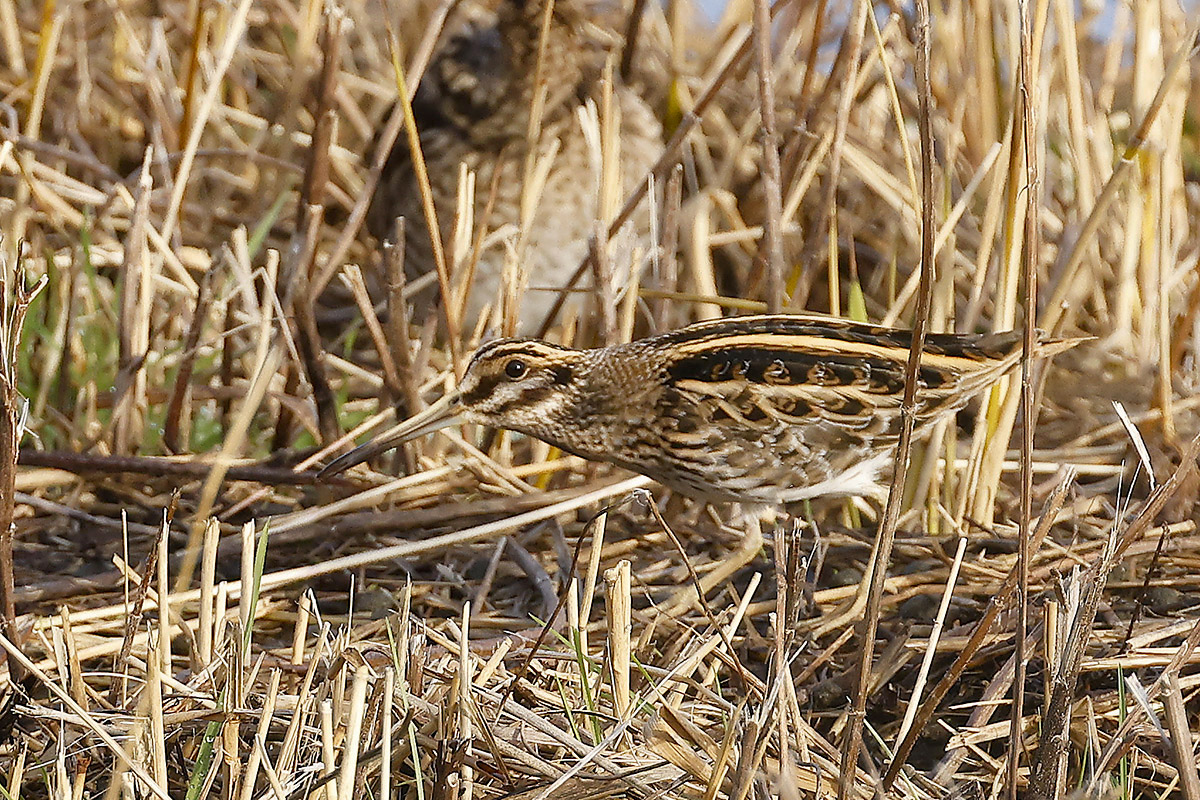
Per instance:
{"type": "Point", "coordinates": [473, 107]}
{"type": "Point", "coordinates": [766, 410]}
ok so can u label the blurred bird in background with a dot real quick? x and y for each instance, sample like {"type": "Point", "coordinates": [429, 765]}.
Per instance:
{"type": "Point", "coordinates": [528, 105]}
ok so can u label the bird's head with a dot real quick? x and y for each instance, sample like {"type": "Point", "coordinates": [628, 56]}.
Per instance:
{"type": "Point", "coordinates": [522, 385]}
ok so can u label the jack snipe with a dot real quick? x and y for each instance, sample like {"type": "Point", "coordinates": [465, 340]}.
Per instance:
{"type": "Point", "coordinates": [759, 410]}
{"type": "Point", "coordinates": [473, 107]}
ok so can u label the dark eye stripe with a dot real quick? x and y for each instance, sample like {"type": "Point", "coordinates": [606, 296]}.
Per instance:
{"type": "Point", "coordinates": [526, 399]}
{"type": "Point", "coordinates": [483, 389]}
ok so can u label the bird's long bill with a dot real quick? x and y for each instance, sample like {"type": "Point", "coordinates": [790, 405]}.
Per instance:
{"type": "Point", "coordinates": [442, 414]}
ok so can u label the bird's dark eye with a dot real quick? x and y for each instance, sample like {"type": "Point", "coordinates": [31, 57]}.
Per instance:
{"type": "Point", "coordinates": [515, 368]}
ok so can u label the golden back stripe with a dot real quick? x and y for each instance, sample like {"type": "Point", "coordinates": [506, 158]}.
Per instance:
{"type": "Point", "coordinates": [817, 345]}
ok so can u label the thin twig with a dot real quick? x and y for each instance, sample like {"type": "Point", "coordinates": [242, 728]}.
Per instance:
{"type": "Point", "coordinates": [884, 539]}
{"type": "Point", "coordinates": [161, 466]}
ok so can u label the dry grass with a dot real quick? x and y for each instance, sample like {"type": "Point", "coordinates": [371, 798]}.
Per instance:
{"type": "Point", "coordinates": [190, 615]}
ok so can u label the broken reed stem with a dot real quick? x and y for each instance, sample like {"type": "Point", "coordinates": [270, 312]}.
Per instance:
{"type": "Point", "coordinates": [618, 606]}
{"type": "Point", "coordinates": [174, 428]}
{"type": "Point", "coordinates": [352, 279]}
{"type": "Point", "coordinates": [668, 259]}
{"type": "Point", "coordinates": [603, 280]}
{"type": "Point", "coordinates": [408, 400]}
{"type": "Point", "coordinates": [779, 662]}
{"type": "Point", "coordinates": [305, 334]}
{"type": "Point", "coordinates": [133, 322]}
{"type": "Point", "coordinates": [772, 244]}
{"type": "Point", "coordinates": [910, 711]}
{"type": "Point", "coordinates": [15, 298]}
{"type": "Point", "coordinates": [301, 272]}
{"type": "Point", "coordinates": [351, 744]}
{"type": "Point", "coordinates": [891, 515]}
{"type": "Point", "coordinates": [1031, 258]}
{"type": "Point", "coordinates": [1179, 725]}
{"type": "Point", "coordinates": [206, 632]}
